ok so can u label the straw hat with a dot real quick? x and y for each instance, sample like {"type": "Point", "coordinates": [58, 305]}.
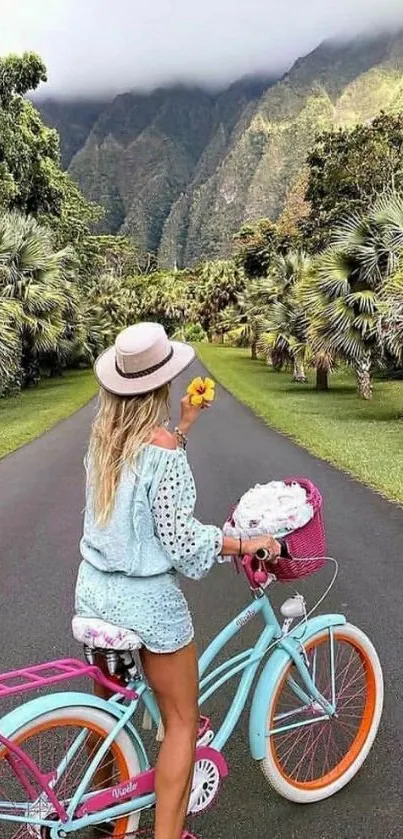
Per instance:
{"type": "Point", "coordinates": [142, 359]}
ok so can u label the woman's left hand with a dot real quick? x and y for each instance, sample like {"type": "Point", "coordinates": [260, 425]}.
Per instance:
{"type": "Point", "coordinates": [189, 414]}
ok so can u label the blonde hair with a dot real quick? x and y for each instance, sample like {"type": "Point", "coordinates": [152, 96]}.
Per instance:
{"type": "Point", "coordinates": [123, 425]}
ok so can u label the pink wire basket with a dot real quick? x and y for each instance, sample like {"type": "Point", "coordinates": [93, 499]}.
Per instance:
{"type": "Point", "coordinates": [306, 545]}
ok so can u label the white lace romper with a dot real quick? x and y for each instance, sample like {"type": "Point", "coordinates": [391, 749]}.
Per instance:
{"type": "Point", "coordinates": [129, 569]}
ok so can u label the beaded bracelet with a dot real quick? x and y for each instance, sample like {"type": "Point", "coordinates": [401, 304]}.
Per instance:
{"type": "Point", "coordinates": [182, 439]}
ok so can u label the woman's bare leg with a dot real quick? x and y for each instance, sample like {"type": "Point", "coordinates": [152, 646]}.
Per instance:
{"type": "Point", "coordinates": [174, 680]}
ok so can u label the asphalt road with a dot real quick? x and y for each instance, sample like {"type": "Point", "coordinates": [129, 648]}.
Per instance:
{"type": "Point", "coordinates": [41, 502]}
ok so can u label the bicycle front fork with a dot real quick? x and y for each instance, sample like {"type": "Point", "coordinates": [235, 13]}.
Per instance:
{"type": "Point", "coordinates": [297, 653]}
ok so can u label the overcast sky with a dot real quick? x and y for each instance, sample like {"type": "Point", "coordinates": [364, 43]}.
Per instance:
{"type": "Point", "coordinates": [105, 46]}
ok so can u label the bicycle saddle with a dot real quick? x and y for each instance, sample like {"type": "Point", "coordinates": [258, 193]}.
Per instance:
{"type": "Point", "coordinates": [97, 634]}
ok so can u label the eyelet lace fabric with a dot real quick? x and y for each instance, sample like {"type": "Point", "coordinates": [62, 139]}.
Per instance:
{"type": "Point", "coordinates": [192, 547]}
{"type": "Point", "coordinates": [129, 571]}
{"type": "Point", "coordinates": [154, 607]}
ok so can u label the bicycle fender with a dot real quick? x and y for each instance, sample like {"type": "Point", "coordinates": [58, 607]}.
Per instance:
{"type": "Point", "coordinates": [33, 709]}
{"type": "Point", "coordinates": [270, 676]}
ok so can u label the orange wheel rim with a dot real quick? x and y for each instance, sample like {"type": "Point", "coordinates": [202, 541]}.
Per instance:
{"type": "Point", "coordinates": [121, 826]}
{"type": "Point", "coordinates": [358, 740]}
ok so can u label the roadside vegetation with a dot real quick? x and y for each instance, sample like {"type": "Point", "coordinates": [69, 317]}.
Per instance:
{"type": "Point", "coordinates": [360, 437]}
{"type": "Point", "coordinates": [36, 410]}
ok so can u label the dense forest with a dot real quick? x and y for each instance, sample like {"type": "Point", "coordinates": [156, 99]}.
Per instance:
{"type": "Point", "coordinates": [319, 284]}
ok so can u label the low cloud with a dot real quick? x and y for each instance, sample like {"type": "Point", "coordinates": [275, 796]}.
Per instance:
{"type": "Point", "coordinates": [99, 47]}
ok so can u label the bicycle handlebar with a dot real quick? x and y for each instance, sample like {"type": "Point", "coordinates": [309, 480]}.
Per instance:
{"type": "Point", "coordinates": [263, 554]}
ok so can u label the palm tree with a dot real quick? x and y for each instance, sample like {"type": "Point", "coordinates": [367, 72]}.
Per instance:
{"type": "Point", "coordinates": [320, 356]}
{"type": "Point", "coordinates": [342, 293]}
{"type": "Point", "coordinates": [165, 297]}
{"type": "Point", "coordinates": [10, 342]}
{"type": "Point", "coordinates": [243, 323]}
{"type": "Point", "coordinates": [281, 318]}
{"type": "Point", "coordinates": [93, 332]}
{"type": "Point", "coordinates": [390, 323]}
{"type": "Point", "coordinates": [41, 281]}
{"type": "Point", "coordinates": [108, 304]}
{"type": "Point", "coordinates": [217, 286]}
{"type": "Point", "coordinates": [284, 336]}
{"type": "Point", "coordinates": [117, 299]}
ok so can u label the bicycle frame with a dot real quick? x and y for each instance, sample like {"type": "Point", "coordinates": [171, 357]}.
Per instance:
{"type": "Point", "coordinates": [82, 810]}
{"type": "Point", "coordinates": [248, 663]}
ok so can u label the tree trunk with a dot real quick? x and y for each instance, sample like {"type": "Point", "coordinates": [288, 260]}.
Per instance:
{"type": "Point", "coordinates": [253, 351]}
{"type": "Point", "coordinates": [322, 378]}
{"type": "Point", "coordinates": [299, 371]}
{"type": "Point", "coordinates": [364, 376]}
{"type": "Point", "coordinates": [277, 361]}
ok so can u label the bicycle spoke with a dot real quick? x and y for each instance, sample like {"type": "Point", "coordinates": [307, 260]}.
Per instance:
{"type": "Point", "coordinates": [65, 751]}
{"type": "Point", "coordinates": [309, 753]}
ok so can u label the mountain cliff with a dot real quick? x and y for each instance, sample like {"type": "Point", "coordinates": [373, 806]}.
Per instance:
{"type": "Point", "coordinates": [73, 121]}
{"type": "Point", "coordinates": [140, 153]}
{"type": "Point", "coordinates": [181, 169]}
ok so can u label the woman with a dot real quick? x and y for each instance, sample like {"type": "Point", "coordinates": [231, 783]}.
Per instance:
{"type": "Point", "coordinates": [140, 531]}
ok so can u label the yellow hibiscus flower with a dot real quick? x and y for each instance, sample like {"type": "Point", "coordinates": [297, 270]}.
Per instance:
{"type": "Point", "coordinates": [201, 390]}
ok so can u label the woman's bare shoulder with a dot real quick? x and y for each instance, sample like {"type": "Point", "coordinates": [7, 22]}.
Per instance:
{"type": "Point", "coordinates": [164, 439]}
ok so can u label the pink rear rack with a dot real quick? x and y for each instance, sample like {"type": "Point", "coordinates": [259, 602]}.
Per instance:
{"type": "Point", "coordinates": [53, 672]}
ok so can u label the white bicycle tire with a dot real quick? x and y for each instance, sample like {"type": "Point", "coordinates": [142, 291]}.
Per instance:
{"type": "Point", "coordinates": [104, 722]}
{"type": "Point", "coordinates": [269, 765]}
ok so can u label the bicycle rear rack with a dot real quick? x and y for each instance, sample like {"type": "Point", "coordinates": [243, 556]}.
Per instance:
{"type": "Point", "coordinates": [54, 672]}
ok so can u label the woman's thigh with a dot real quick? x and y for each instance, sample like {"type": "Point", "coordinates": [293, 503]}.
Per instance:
{"type": "Point", "coordinates": [174, 679]}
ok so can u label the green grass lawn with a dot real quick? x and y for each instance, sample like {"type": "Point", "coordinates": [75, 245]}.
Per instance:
{"type": "Point", "coordinates": [363, 438]}
{"type": "Point", "coordinates": [35, 410]}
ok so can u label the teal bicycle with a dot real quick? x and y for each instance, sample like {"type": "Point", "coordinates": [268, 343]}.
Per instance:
{"type": "Point", "coordinates": [72, 764]}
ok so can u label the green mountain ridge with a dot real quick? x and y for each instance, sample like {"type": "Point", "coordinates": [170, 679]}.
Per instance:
{"type": "Point", "coordinates": [143, 151]}
{"type": "Point", "coordinates": [181, 169]}
{"type": "Point", "coordinates": [73, 121]}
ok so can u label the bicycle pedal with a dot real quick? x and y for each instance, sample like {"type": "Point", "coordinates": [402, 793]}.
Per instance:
{"type": "Point", "coordinates": [205, 734]}
{"type": "Point", "coordinates": [206, 739]}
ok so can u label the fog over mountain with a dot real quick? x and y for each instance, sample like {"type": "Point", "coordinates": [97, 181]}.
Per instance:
{"type": "Point", "coordinates": [181, 168]}
{"type": "Point", "coordinates": [99, 47]}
